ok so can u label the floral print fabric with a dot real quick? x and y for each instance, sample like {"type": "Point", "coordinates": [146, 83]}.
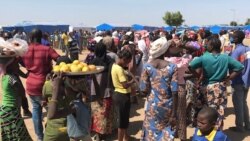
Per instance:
{"type": "Point", "coordinates": [159, 84]}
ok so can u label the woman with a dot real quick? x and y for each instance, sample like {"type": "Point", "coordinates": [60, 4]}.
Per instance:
{"type": "Point", "coordinates": [121, 97]}
{"type": "Point", "coordinates": [91, 48]}
{"type": "Point", "coordinates": [66, 107]}
{"type": "Point", "coordinates": [111, 47]}
{"type": "Point", "coordinates": [215, 68]}
{"type": "Point", "coordinates": [12, 126]}
{"type": "Point", "coordinates": [101, 104]}
{"type": "Point", "coordinates": [195, 100]}
{"type": "Point", "coordinates": [159, 80]}
{"type": "Point", "coordinates": [181, 58]}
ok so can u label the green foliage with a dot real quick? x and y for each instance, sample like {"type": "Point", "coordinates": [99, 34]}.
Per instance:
{"type": "Point", "coordinates": [173, 18]}
{"type": "Point", "coordinates": [247, 22]}
{"type": "Point", "coordinates": [233, 23]}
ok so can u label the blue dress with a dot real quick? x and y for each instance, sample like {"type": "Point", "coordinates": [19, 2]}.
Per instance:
{"type": "Point", "coordinates": [159, 84]}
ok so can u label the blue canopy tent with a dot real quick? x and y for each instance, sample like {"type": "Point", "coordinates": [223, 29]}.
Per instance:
{"type": "Point", "coordinates": [181, 32]}
{"type": "Point", "coordinates": [180, 28]}
{"type": "Point", "coordinates": [150, 28]}
{"type": "Point", "coordinates": [215, 29]}
{"type": "Point", "coordinates": [137, 27]}
{"type": "Point", "coordinates": [47, 28]}
{"type": "Point", "coordinates": [11, 28]}
{"type": "Point", "coordinates": [18, 26]}
{"type": "Point", "coordinates": [28, 26]}
{"type": "Point", "coordinates": [226, 27]}
{"type": "Point", "coordinates": [104, 27]}
{"type": "Point", "coordinates": [247, 27]}
{"type": "Point", "coordinates": [168, 28]}
{"type": "Point", "coordinates": [195, 28]}
{"type": "Point", "coordinates": [126, 28]}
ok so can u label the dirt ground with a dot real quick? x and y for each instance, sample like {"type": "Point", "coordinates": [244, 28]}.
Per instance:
{"type": "Point", "coordinates": [137, 116]}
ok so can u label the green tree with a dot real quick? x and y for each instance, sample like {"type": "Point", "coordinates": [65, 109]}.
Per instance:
{"type": "Point", "coordinates": [233, 23]}
{"type": "Point", "coordinates": [173, 18]}
{"type": "Point", "coordinates": [247, 22]}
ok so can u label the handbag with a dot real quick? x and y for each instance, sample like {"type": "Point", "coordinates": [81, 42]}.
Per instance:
{"type": "Point", "coordinates": [78, 124]}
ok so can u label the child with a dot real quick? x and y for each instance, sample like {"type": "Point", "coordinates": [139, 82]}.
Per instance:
{"type": "Point", "coordinates": [47, 91]}
{"type": "Point", "coordinates": [47, 87]}
{"type": "Point", "coordinates": [65, 113]}
{"type": "Point", "coordinates": [56, 125]}
{"type": "Point", "coordinates": [206, 130]}
{"type": "Point", "coordinates": [131, 68]}
{"type": "Point", "coordinates": [121, 98]}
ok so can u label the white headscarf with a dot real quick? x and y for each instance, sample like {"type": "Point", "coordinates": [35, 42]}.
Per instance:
{"type": "Point", "coordinates": [17, 47]}
{"type": "Point", "coordinates": [159, 47]}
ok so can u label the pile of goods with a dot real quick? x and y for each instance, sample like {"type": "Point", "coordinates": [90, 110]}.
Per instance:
{"type": "Point", "coordinates": [76, 66]}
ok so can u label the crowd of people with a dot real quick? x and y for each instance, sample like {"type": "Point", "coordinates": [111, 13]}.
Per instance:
{"type": "Point", "coordinates": [185, 78]}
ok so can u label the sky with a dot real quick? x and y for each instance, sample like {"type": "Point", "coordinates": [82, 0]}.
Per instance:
{"type": "Point", "coordinates": [123, 12]}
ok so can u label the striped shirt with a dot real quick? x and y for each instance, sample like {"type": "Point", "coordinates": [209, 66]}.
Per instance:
{"type": "Point", "coordinates": [38, 61]}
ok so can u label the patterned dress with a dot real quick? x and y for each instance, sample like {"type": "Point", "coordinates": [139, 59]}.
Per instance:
{"type": "Point", "coordinates": [12, 127]}
{"type": "Point", "coordinates": [216, 97]}
{"type": "Point", "coordinates": [195, 101]}
{"type": "Point", "coordinates": [182, 67]}
{"type": "Point", "coordinates": [102, 109]}
{"type": "Point", "coordinates": [159, 84]}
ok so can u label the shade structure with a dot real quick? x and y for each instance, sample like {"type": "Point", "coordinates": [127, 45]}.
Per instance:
{"type": "Point", "coordinates": [168, 28]}
{"type": "Point", "coordinates": [181, 32]}
{"type": "Point", "coordinates": [137, 27]}
{"type": "Point", "coordinates": [180, 28]}
{"type": "Point", "coordinates": [195, 28]}
{"type": "Point", "coordinates": [151, 28]}
{"type": "Point", "coordinates": [28, 26]}
{"type": "Point", "coordinates": [104, 27]}
{"type": "Point", "coordinates": [47, 28]}
{"type": "Point", "coordinates": [215, 29]}
{"type": "Point", "coordinates": [247, 27]}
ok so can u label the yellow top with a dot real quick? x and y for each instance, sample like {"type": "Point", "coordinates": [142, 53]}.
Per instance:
{"type": "Point", "coordinates": [209, 137]}
{"type": "Point", "coordinates": [65, 39]}
{"type": "Point", "coordinates": [118, 76]}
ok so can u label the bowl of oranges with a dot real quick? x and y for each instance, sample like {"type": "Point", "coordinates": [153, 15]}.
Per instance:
{"type": "Point", "coordinates": [77, 68]}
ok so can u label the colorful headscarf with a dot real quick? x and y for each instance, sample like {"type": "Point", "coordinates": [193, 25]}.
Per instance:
{"type": "Point", "coordinates": [192, 35]}
{"type": "Point", "coordinates": [247, 33]}
{"type": "Point", "coordinates": [91, 45]}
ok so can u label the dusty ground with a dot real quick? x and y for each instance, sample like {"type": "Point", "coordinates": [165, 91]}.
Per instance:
{"type": "Point", "coordinates": [137, 119]}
